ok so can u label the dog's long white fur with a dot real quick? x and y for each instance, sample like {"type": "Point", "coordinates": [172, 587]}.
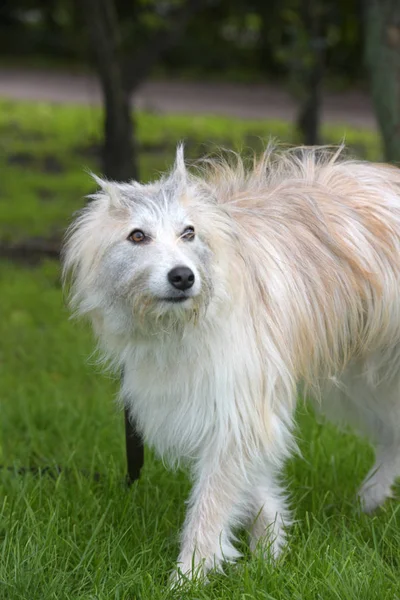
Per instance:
{"type": "Point", "coordinates": [297, 289]}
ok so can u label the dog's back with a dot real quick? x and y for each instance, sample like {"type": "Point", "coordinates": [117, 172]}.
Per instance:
{"type": "Point", "coordinates": [320, 237]}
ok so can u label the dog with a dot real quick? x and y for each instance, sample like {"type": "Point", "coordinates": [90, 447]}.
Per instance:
{"type": "Point", "coordinates": [225, 293]}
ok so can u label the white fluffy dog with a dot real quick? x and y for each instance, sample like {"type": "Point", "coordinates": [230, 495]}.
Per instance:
{"type": "Point", "coordinates": [227, 292]}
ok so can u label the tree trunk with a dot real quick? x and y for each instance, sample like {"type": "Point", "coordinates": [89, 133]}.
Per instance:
{"type": "Point", "coordinates": [119, 76]}
{"type": "Point", "coordinates": [382, 53]}
{"type": "Point", "coordinates": [119, 150]}
{"type": "Point", "coordinates": [308, 121]}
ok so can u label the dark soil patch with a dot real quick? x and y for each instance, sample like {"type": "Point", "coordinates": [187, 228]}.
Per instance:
{"type": "Point", "coordinates": [91, 151]}
{"type": "Point", "coordinates": [21, 159]}
{"type": "Point", "coordinates": [46, 164]}
{"type": "Point", "coordinates": [45, 194]}
{"type": "Point", "coordinates": [21, 134]}
{"type": "Point", "coordinates": [31, 251]}
{"type": "Point", "coordinates": [52, 165]}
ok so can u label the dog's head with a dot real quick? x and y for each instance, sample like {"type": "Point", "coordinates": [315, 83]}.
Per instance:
{"type": "Point", "coordinates": [140, 255]}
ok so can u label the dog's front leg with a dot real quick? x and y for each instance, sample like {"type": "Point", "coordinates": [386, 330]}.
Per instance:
{"type": "Point", "coordinates": [213, 503]}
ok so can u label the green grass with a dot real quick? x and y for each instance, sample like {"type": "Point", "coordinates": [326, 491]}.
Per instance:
{"type": "Point", "coordinates": [46, 150]}
{"type": "Point", "coordinates": [77, 539]}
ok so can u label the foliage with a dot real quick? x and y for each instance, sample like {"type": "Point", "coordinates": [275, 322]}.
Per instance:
{"type": "Point", "coordinates": [247, 40]}
{"type": "Point", "coordinates": [338, 32]}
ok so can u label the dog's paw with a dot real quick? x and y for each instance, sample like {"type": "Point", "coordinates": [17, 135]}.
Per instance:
{"type": "Point", "coordinates": [373, 494]}
{"type": "Point", "coordinates": [269, 537]}
{"type": "Point", "coordinates": [188, 571]}
{"type": "Point", "coordinates": [271, 547]}
{"type": "Point", "coordinates": [194, 567]}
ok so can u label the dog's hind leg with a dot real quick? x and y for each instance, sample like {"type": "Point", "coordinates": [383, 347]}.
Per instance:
{"type": "Point", "coordinates": [383, 427]}
{"type": "Point", "coordinates": [269, 513]}
{"type": "Point", "coordinates": [373, 408]}
{"type": "Point", "coordinates": [377, 486]}
{"type": "Point", "coordinates": [378, 408]}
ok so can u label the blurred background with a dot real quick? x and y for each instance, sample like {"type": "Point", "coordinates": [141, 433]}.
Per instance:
{"type": "Point", "coordinates": [111, 86]}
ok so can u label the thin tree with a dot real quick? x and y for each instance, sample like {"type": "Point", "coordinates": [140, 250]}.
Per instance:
{"type": "Point", "coordinates": [121, 73]}
{"type": "Point", "coordinates": [382, 53]}
{"type": "Point", "coordinates": [300, 46]}
{"type": "Point", "coordinates": [308, 121]}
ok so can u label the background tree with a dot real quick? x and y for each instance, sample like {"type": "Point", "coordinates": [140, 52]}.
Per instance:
{"type": "Point", "coordinates": [382, 51]}
{"type": "Point", "coordinates": [301, 44]}
{"type": "Point", "coordinates": [312, 71]}
{"type": "Point", "coordinates": [315, 40]}
{"type": "Point", "coordinates": [123, 63]}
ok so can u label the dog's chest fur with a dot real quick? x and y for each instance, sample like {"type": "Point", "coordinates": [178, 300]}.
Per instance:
{"type": "Point", "coordinates": [172, 390]}
{"type": "Point", "coordinates": [184, 393]}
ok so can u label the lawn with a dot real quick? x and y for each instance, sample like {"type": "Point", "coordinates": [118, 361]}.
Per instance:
{"type": "Point", "coordinates": [71, 537]}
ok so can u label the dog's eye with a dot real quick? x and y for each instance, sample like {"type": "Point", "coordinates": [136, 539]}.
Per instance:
{"type": "Point", "coordinates": [188, 234]}
{"type": "Point", "coordinates": [137, 236]}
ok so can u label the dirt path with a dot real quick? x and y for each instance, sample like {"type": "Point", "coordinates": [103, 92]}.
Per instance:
{"type": "Point", "coordinates": [258, 101]}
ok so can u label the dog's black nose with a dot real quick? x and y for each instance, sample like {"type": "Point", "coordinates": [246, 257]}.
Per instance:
{"type": "Point", "coordinates": [182, 278]}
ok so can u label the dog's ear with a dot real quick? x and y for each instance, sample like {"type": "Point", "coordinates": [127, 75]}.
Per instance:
{"type": "Point", "coordinates": [110, 192]}
{"type": "Point", "coordinates": [179, 170]}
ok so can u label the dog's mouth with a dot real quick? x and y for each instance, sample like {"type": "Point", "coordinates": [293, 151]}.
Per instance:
{"type": "Point", "coordinates": [176, 299]}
